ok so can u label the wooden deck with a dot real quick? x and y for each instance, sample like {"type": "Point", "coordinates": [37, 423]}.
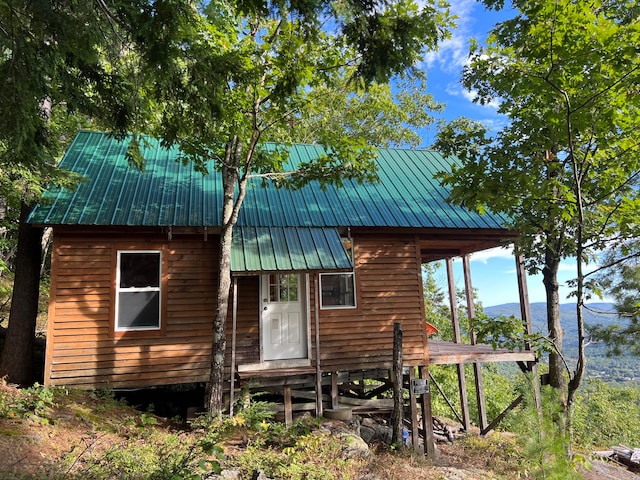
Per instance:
{"type": "Point", "coordinates": [448, 353]}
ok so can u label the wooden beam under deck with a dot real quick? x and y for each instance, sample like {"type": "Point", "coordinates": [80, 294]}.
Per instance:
{"type": "Point", "coordinates": [449, 353]}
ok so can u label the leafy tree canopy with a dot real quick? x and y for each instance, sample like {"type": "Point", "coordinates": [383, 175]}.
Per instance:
{"type": "Point", "coordinates": [622, 282]}
{"type": "Point", "coordinates": [565, 168]}
{"type": "Point", "coordinates": [566, 74]}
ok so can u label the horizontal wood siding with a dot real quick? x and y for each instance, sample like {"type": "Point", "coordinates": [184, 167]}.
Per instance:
{"type": "Point", "coordinates": [248, 323]}
{"type": "Point", "coordinates": [83, 349]}
{"type": "Point", "coordinates": [388, 290]}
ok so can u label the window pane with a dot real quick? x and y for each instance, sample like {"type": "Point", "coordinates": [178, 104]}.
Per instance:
{"type": "Point", "coordinates": [288, 287]}
{"type": "Point", "coordinates": [139, 310]}
{"type": "Point", "coordinates": [337, 290]}
{"type": "Point", "coordinates": [273, 288]}
{"type": "Point", "coordinates": [283, 287]}
{"type": "Point", "coordinates": [139, 270]}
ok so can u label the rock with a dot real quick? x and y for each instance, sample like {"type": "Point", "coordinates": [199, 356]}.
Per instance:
{"type": "Point", "coordinates": [259, 475]}
{"type": "Point", "coordinates": [353, 446]}
{"type": "Point", "coordinates": [369, 422]}
{"type": "Point", "coordinates": [225, 475]}
{"type": "Point", "coordinates": [368, 434]}
{"type": "Point", "coordinates": [371, 431]}
{"type": "Point", "coordinates": [384, 433]}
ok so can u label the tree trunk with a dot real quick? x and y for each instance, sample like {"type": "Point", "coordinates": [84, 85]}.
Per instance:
{"type": "Point", "coordinates": [16, 361]}
{"type": "Point", "coordinates": [219, 344]}
{"type": "Point", "coordinates": [230, 208]}
{"type": "Point", "coordinates": [556, 334]}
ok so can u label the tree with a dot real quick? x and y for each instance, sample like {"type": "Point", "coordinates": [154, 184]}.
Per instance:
{"type": "Point", "coordinates": [565, 168]}
{"type": "Point", "coordinates": [622, 282]}
{"type": "Point", "coordinates": [255, 70]}
{"type": "Point", "coordinates": [210, 77]}
{"type": "Point", "coordinates": [380, 115]}
{"type": "Point", "coordinates": [62, 63]}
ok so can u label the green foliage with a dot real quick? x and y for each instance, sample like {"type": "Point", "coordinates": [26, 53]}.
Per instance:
{"type": "Point", "coordinates": [33, 402]}
{"type": "Point", "coordinates": [298, 451]}
{"type": "Point", "coordinates": [544, 439]}
{"type": "Point", "coordinates": [436, 310]}
{"type": "Point", "coordinates": [621, 281]}
{"type": "Point", "coordinates": [174, 457]}
{"type": "Point", "coordinates": [499, 391]}
{"type": "Point", "coordinates": [311, 456]}
{"type": "Point", "coordinates": [378, 114]}
{"type": "Point", "coordinates": [565, 73]}
{"type": "Point", "coordinates": [606, 415]}
{"type": "Point", "coordinates": [500, 452]}
{"type": "Point", "coordinates": [499, 332]}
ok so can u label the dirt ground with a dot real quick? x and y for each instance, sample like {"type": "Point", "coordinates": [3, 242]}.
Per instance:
{"type": "Point", "coordinates": [83, 422]}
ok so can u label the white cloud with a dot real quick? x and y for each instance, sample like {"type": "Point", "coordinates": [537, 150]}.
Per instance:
{"type": "Point", "coordinates": [498, 252]}
{"type": "Point", "coordinates": [452, 53]}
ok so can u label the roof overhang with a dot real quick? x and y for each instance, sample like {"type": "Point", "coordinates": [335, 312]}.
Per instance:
{"type": "Point", "coordinates": [256, 250]}
{"type": "Point", "coordinates": [448, 243]}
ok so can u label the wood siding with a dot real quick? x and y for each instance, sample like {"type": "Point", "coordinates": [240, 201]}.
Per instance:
{"type": "Point", "coordinates": [388, 290]}
{"type": "Point", "coordinates": [84, 350]}
{"type": "Point", "coordinates": [82, 347]}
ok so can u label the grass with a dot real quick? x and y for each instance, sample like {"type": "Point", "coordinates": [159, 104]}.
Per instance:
{"type": "Point", "coordinates": [58, 433]}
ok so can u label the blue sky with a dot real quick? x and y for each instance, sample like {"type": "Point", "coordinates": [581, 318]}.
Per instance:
{"type": "Point", "coordinates": [445, 66]}
{"type": "Point", "coordinates": [493, 271]}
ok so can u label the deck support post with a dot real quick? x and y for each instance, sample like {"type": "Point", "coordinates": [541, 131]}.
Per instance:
{"type": "Point", "coordinates": [316, 310]}
{"type": "Point", "coordinates": [457, 338]}
{"type": "Point", "coordinates": [477, 366]}
{"type": "Point", "coordinates": [525, 312]}
{"type": "Point", "coordinates": [288, 413]}
{"type": "Point", "coordinates": [413, 405]}
{"type": "Point", "coordinates": [335, 394]}
{"type": "Point", "coordinates": [427, 417]}
{"type": "Point", "coordinates": [234, 321]}
{"type": "Point", "coordinates": [398, 400]}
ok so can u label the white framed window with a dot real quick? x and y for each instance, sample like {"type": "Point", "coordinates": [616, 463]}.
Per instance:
{"type": "Point", "coordinates": [138, 290]}
{"type": "Point", "coordinates": [283, 287]}
{"type": "Point", "coordinates": [337, 290]}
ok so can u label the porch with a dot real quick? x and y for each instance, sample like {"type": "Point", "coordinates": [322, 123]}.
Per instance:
{"type": "Point", "coordinates": [317, 389]}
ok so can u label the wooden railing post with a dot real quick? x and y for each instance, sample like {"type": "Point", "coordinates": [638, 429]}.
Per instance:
{"type": "Point", "coordinates": [427, 417]}
{"type": "Point", "coordinates": [462, 382]}
{"type": "Point", "coordinates": [398, 400]}
{"type": "Point", "coordinates": [525, 312]}
{"type": "Point", "coordinates": [477, 366]}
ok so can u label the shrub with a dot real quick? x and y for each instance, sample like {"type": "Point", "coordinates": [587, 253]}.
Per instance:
{"type": "Point", "coordinates": [30, 402]}
{"type": "Point", "coordinates": [607, 415]}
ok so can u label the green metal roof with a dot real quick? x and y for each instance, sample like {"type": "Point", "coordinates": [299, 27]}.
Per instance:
{"type": "Point", "coordinates": [265, 249]}
{"type": "Point", "coordinates": [169, 193]}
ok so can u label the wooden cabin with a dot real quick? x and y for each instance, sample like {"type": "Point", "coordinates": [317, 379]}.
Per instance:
{"type": "Point", "coordinates": [320, 276]}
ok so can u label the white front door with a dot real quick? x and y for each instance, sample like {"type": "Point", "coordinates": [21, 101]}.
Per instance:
{"type": "Point", "coordinates": [283, 324]}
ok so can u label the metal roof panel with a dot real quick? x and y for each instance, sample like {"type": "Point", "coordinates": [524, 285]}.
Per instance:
{"type": "Point", "coordinates": [270, 249]}
{"type": "Point", "coordinates": [170, 192]}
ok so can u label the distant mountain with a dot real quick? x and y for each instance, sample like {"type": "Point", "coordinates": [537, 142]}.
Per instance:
{"type": "Point", "coordinates": [624, 368]}
{"type": "Point", "coordinates": [594, 313]}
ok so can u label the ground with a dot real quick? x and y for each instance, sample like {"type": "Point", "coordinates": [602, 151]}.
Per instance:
{"type": "Point", "coordinates": [76, 434]}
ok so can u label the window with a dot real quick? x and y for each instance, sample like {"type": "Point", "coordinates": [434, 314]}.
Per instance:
{"type": "Point", "coordinates": [337, 290]}
{"type": "Point", "coordinates": [138, 290]}
{"type": "Point", "coordinates": [283, 287]}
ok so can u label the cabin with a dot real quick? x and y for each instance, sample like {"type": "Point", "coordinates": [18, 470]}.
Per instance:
{"type": "Point", "coordinates": [320, 276]}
